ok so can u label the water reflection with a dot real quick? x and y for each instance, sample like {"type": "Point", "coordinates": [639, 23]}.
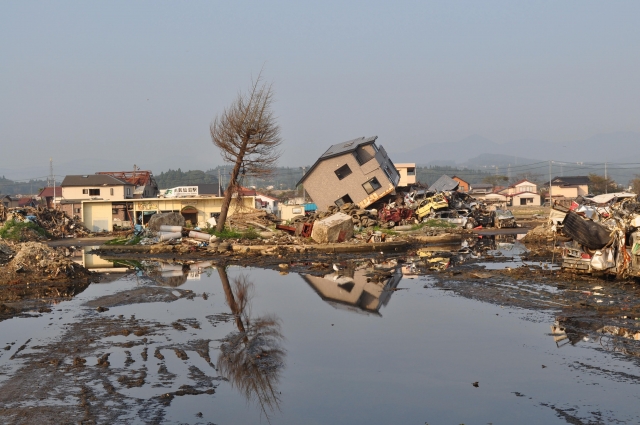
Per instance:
{"type": "Point", "coordinates": [620, 339]}
{"type": "Point", "coordinates": [360, 288]}
{"type": "Point", "coordinates": [177, 274]}
{"type": "Point", "coordinates": [252, 358]}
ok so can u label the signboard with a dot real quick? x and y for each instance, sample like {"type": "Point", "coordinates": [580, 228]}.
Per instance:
{"type": "Point", "coordinates": [181, 191]}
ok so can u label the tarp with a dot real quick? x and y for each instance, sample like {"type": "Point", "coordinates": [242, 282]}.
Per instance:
{"type": "Point", "coordinates": [444, 184]}
{"type": "Point", "coordinates": [586, 232]}
{"type": "Point", "coordinates": [607, 197]}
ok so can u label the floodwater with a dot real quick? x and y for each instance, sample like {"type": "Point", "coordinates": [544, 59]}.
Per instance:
{"type": "Point", "coordinates": [344, 348]}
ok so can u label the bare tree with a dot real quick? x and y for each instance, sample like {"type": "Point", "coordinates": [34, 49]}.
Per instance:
{"type": "Point", "coordinates": [248, 137]}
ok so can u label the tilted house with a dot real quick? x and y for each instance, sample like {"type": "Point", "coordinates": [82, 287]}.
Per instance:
{"type": "Point", "coordinates": [356, 171]}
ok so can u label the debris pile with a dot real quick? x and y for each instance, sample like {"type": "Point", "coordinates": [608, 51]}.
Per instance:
{"type": "Point", "coordinates": [37, 260]}
{"type": "Point", "coordinates": [165, 219]}
{"type": "Point", "coordinates": [604, 233]}
{"type": "Point", "coordinates": [256, 219]}
{"type": "Point", "coordinates": [6, 252]}
{"type": "Point", "coordinates": [56, 223]}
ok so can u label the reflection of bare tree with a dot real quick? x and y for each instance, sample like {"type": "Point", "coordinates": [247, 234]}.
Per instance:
{"type": "Point", "coordinates": [253, 357]}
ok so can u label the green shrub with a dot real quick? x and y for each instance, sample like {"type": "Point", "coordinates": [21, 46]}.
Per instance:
{"type": "Point", "coordinates": [14, 229]}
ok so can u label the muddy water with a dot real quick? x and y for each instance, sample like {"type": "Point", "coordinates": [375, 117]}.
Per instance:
{"type": "Point", "coordinates": [248, 345]}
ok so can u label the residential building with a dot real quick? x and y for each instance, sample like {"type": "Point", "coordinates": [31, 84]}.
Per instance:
{"type": "Point", "coordinates": [266, 202]}
{"type": "Point", "coordinates": [143, 181]}
{"type": "Point", "coordinates": [522, 193]}
{"type": "Point", "coordinates": [51, 196]}
{"type": "Point", "coordinates": [9, 202]}
{"type": "Point", "coordinates": [569, 187]}
{"type": "Point", "coordinates": [464, 185]}
{"type": "Point", "coordinates": [407, 173]}
{"type": "Point", "coordinates": [356, 171]}
{"type": "Point", "coordinates": [78, 188]}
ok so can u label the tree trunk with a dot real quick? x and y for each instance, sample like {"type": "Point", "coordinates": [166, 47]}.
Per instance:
{"type": "Point", "coordinates": [228, 292]}
{"type": "Point", "coordinates": [224, 211]}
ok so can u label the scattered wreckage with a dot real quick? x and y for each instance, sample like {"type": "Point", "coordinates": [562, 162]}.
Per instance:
{"type": "Point", "coordinates": [604, 233]}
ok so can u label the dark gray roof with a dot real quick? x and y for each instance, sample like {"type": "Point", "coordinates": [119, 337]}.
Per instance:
{"type": "Point", "coordinates": [570, 180]}
{"type": "Point", "coordinates": [339, 149]}
{"type": "Point", "coordinates": [444, 183]}
{"type": "Point", "coordinates": [92, 180]}
{"type": "Point", "coordinates": [346, 147]}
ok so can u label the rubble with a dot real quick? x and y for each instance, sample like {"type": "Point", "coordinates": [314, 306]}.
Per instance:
{"type": "Point", "coordinates": [168, 219]}
{"type": "Point", "coordinates": [55, 223]}
{"type": "Point", "coordinates": [336, 228]}
{"type": "Point", "coordinates": [604, 234]}
{"type": "Point", "coordinates": [35, 260]}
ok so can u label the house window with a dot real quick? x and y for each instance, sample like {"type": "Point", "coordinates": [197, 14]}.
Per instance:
{"type": "Point", "coordinates": [371, 185]}
{"type": "Point", "coordinates": [94, 192]}
{"type": "Point", "coordinates": [343, 171]}
{"type": "Point", "coordinates": [296, 211]}
{"type": "Point", "coordinates": [346, 199]}
{"type": "Point", "coordinates": [411, 171]}
{"type": "Point", "coordinates": [128, 191]}
{"type": "Point", "coordinates": [111, 191]}
{"type": "Point", "coordinates": [76, 210]}
{"type": "Point", "coordinates": [85, 191]}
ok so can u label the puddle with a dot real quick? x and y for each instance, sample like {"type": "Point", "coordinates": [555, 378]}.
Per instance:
{"type": "Point", "coordinates": [363, 342]}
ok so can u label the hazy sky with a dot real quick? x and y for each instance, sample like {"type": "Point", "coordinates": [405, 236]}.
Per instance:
{"type": "Point", "coordinates": [140, 81]}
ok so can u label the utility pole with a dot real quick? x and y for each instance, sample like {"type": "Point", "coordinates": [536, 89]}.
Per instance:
{"type": "Point", "coordinates": [304, 192]}
{"type": "Point", "coordinates": [549, 183]}
{"type": "Point", "coordinates": [606, 183]}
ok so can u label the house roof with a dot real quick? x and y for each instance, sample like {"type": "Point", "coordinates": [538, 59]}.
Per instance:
{"type": "Point", "coordinates": [338, 150]}
{"type": "Point", "coordinates": [262, 195]}
{"type": "Point", "coordinates": [92, 180]}
{"type": "Point", "coordinates": [522, 181]}
{"type": "Point", "coordinates": [481, 186]}
{"type": "Point", "coordinates": [444, 183]}
{"type": "Point", "coordinates": [48, 192]}
{"type": "Point", "coordinates": [460, 178]}
{"type": "Point", "coordinates": [570, 180]}
{"type": "Point", "coordinates": [22, 202]}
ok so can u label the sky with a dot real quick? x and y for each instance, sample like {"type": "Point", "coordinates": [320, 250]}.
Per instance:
{"type": "Point", "coordinates": [114, 83]}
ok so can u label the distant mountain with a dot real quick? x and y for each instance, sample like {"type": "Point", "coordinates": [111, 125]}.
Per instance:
{"type": "Point", "coordinates": [610, 147]}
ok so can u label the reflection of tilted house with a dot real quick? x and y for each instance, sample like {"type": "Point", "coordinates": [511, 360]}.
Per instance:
{"type": "Point", "coordinates": [357, 171]}
{"type": "Point", "coordinates": [351, 291]}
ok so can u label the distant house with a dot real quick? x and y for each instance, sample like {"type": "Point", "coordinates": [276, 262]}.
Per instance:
{"type": "Point", "coordinates": [357, 171]}
{"type": "Point", "coordinates": [522, 193]}
{"type": "Point", "coordinates": [570, 186]}
{"type": "Point", "coordinates": [8, 202]}
{"type": "Point", "coordinates": [266, 202]}
{"type": "Point", "coordinates": [78, 188]}
{"type": "Point", "coordinates": [27, 201]}
{"type": "Point", "coordinates": [407, 173]}
{"type": "Point", "coordinates": [481, 188]}
{"type": "Point", "coordinates": [51, 196]}
{"type": "Point", "coordinates": [464, 185]}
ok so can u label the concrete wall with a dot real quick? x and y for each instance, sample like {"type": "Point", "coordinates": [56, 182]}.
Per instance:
{"type": "Point", "coordinates": [324, 187]}
{"type": "Point", "coordinates": [287, 212]}
{"type": "Point", "coordinates": [569, 191]}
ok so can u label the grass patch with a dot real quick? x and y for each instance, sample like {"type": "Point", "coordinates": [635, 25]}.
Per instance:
{"type": "Point", "coordinates": [124, 241]}
{"type": "Point", "coordinates": [385, 231]}
{"type": "Point", "coordinates": [434, 222]}
{"type": "Point", "coordinates": [227, 233]}
{"type": "Point", "coordinates": [14, 229]}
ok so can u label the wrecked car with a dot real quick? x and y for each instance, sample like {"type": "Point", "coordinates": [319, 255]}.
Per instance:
{"type": "Point", "coordinates": [460, 218]}
{"type": "Point", "coordinates": [431, 204]}
{"type": "Point", "coordinates": [504, 219]}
